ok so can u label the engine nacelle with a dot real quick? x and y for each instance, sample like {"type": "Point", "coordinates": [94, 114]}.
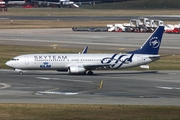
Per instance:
{"type": "Point", "coordinates": [76, 70]}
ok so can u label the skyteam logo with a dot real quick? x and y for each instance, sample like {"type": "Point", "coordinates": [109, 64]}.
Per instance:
{"type": "Point", "coordinates": [45, 65]}
{"type": "Point", "coordinates": [116, 61]}
{"type": "Point", "coordinates": [154, 42]}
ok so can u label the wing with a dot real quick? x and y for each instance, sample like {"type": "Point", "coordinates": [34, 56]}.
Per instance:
{"type": "Point", "coordinates": [95, 67]}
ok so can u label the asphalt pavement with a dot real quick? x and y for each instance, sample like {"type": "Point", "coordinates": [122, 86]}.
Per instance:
{"type": "Point", "coordinates": [104, 87]}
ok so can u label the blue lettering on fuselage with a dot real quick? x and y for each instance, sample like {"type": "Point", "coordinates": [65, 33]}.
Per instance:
{"type": "Point", "coordinates": [116, 61]}
{"type": "Point", "coordinates": [49, 57]}
{"type": "Point", "coordinates": [45, 65]}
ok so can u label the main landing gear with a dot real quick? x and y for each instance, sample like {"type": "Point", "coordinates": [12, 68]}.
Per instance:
{"type": "Point", "coordinates": [90, 72]}
{"type": "Point", "coordinates": [20, 72]}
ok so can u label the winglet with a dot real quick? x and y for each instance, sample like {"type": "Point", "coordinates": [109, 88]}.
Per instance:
{"type": "Point", "coordinates": [152, 44]}
{"type": "Point", "coordinates": [85, 50]}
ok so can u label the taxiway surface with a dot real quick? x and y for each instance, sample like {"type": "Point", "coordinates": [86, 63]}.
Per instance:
{"type": "Point", "coordinates": [112, 41]}
{"type": "Point", "coordinates": [105, 87]}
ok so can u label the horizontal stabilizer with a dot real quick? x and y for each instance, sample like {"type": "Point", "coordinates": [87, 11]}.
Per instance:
{"type": "Point", "coordinates": [154, 56]}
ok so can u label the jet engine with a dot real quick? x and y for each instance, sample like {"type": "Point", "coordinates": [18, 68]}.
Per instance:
{"type": "Point", "coordinates": [76, 70]}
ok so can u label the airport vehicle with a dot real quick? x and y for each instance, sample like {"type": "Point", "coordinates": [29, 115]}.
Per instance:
{"type": "Point", "coordinates": [3, 6]}
{"type": "Point", "coordinates": [2, 2]}
{"type": "Point", "coordinates": [174, 30]}
{"type": "Point", "coordinates": [85, 63]}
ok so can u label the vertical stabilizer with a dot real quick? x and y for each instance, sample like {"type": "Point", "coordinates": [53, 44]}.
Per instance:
{"type": "Point", "coordinates": [152, 44]}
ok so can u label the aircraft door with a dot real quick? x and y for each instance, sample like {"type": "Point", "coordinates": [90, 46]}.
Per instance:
{"type": "Point", "coordinates": [139, 60]}
{"type": "Point", "coordinates": [26, 58]}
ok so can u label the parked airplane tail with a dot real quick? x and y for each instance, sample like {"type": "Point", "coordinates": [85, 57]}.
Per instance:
{"type": "Point", "coordinates": [152, 44]}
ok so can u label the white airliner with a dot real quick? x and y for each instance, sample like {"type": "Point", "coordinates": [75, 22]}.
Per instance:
{"type": "Point", "coordinates": [17, 2]}
{"type": "Point", "coordinates": [85, 63]}
{"type": "Point", "coordinates": [60, 3]}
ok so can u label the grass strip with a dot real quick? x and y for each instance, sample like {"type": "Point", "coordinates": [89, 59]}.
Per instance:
{"type": "Point", "coordinates": [87, 12]}
{"type": "Point", "coordinates": [6, 23]}
{"type": "Point", "coordinates": [87, 112]}
{"type": "Point", "coordinates": [37, 24]}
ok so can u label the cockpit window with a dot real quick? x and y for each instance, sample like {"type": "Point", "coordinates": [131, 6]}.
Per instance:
{"type": "Point", "coordinates": [15, 59]}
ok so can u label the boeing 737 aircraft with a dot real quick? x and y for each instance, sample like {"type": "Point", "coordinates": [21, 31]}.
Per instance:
{"type": "Point", "coordinates": [85, 63]}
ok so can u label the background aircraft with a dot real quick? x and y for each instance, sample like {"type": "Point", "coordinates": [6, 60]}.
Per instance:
{"type": "Point", "coordinates": [60, 3]}
{"type": "Point", "coordinates": [85, 63]}
{"type": "Point", "coordinates": [16, 2]}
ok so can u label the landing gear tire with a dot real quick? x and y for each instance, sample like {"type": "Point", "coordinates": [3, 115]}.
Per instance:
{"type": "Point", "coordinates": [90, 72]}
{"type": "Point", "coordinates": [20, 72]}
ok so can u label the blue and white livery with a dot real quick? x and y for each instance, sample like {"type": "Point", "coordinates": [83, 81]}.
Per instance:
{"type": "Point", "coordinates": [86, 63]}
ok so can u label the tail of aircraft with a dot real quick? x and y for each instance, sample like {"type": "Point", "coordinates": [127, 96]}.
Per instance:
{"type": "Point", "coordinates": [152, 44]}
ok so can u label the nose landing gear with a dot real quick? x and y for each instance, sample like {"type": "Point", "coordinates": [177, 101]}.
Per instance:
{"type": "Point", "coordinates": [19, 70]}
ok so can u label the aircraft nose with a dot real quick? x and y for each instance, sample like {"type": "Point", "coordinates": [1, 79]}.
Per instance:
{"type": "Point", "coordinates": [8, 63]}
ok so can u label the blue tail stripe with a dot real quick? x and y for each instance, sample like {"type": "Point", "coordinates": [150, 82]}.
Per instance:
{"type": "Point", "coordinates": [152, 44]}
